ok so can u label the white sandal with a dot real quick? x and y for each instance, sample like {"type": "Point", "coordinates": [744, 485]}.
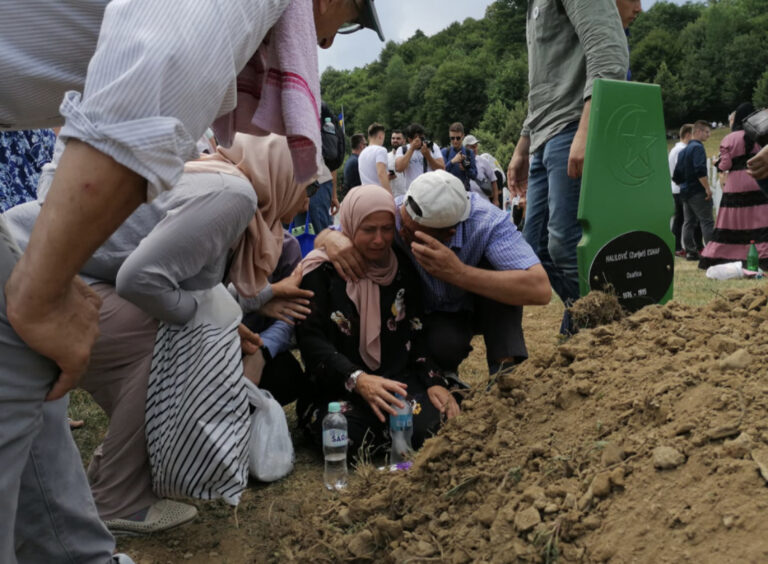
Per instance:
{"type": "Point", "coordinates": [162, 515]}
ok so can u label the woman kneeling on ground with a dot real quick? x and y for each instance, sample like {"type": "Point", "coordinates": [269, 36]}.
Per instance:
{"type": "Point", "coordinates": [363, 341]}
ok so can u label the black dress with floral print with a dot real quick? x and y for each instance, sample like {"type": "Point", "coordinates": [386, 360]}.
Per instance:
{"type": "Point", "coordinates": [329, 344]}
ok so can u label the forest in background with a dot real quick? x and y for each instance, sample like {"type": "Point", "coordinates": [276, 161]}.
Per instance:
{"type": "Point", "coordinates": [707, 57]}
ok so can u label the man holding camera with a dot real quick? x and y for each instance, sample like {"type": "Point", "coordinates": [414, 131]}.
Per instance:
{"type": "Point", "coordinates": [419, 156]}
{"type": "Point", "coordinates": [459, 161]}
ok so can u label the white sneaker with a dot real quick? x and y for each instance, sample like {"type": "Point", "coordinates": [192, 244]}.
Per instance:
{"type": "Point", "coordinates": [122, 559]}
{"type": "Point", "coordinates": [162, 515]}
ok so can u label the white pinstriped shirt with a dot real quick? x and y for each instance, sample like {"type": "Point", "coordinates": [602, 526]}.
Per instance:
{"type": "Point", "coordinates": [140, 80]}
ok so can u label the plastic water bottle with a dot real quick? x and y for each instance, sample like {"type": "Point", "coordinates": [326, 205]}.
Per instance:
{"type": "Point", "coordinates": [401, 431]}
{"type": "Point", "coordinates": [753, 258]}
{"type": "Point", "coordinates": [335, 448]}
{"type": "Point", "coordinates": [328, 126]}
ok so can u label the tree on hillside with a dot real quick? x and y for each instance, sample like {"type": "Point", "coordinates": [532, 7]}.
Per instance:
{"type": "Point", "coordinates": [760, 96]}
{"type": "Point", "coordinates": [457, 92]}
{"type": "Point", "coordinates": [659, 46]}
{"type": "Point", "coordinates": [395, 92]}
{"type": "Point", "coordinates": [506, 24]}
{"type": "Point", "coordinates": [666, 16]}
{"type": "Point", "coordinates": [672, 95]}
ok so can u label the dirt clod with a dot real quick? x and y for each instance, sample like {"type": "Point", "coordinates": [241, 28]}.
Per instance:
{"type": "Point", "coordinates": [527, 519]}
{"type": "Point", "coordinates": [666, 458]}
{"type": "Point", "coordinates": [595, 309]}
{"type": "Point", "coordinates": [362, 544]}
{"type": "Point", "coordinates": [736, 361]}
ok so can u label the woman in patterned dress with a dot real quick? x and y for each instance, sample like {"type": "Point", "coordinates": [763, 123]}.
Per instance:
{"type": "Point", "coordinates": [363, 341]}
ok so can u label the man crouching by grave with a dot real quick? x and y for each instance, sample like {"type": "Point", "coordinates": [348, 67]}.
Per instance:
{"type": "Point", "coordinates": [476, 271]}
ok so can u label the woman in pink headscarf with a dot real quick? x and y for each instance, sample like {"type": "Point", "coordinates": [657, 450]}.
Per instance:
{"type": "Point", "coordinates": [363, 343]}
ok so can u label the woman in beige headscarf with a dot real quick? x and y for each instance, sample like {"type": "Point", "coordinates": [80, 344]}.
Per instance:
{"type": "Point", "coordinates": [363, 341]}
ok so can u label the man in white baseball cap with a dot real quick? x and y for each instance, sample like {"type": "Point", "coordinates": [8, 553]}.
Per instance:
{"type": "Point", "coordinates": [435, 200]}
{"type": "Point", "coordinates": [475, 267]}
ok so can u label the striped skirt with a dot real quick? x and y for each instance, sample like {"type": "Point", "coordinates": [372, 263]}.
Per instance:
{"type": "Point", "coordinates": [743, 217]}
{"type": "Point", "coordinates": [197, 413]}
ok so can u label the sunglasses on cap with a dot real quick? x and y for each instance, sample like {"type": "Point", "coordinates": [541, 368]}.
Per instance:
{"type": "Point", "coordinates": [312, 189]}
{"type": "Point", "coordinates": [367, 18]}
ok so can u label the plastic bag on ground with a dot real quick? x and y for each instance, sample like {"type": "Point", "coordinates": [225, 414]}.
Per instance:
{"type": "Point", "coordinates": [725, 271]}
{"type": "Point", "coordinates": [270, 449]}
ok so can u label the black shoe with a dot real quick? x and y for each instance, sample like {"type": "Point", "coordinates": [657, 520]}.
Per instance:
{"type": "Point", "coordinates": [691, 255]}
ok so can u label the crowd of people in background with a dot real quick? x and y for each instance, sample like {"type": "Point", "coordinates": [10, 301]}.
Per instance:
{"type": "Point", "coordinates": [723, 233]}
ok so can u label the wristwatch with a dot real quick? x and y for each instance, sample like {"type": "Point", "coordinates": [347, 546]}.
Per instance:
{"type": "Point", "coordinates": [351, 382]}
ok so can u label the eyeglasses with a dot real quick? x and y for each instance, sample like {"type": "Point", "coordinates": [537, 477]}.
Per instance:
{"type": "Point", "coordinates": [458, 138]}
{"type": "Point", "coordinates": [351, 27]}
{"type": "Point", "coordinates": [312, 189]}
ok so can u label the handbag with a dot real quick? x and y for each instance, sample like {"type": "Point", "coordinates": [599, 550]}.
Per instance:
{"type": "Point", "coordinates": [304, 235]}
{"type": "Point", "coordinates": [270, 449]}
{"type": "Point", "coordinates": [756, 126]}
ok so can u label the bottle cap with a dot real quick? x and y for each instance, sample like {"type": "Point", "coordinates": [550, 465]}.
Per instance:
{"type": "Point", "coordinates": [334, 407]}
{"type": "Point", "coordinates": [752, 242]}
{"type": "Point", "coordinates": [328, 120]}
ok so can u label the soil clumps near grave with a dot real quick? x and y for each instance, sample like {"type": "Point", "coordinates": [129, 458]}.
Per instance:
{"type": "Point", "coordinates": [641, 440]}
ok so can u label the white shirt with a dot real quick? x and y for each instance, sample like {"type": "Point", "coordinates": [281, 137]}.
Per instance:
{"type": "Point", "coordinates": [398, 182]}
{"type": "Point", "coordinates": [144, 102]}
{"type": "Point", "coordinates": [484, 172]}
{"type": "Point", "coordinates": [367, 161]}
{"type": "Point", "coordinates": [415, 168]}
{"type": "Point", "coordinates": [673, 154]}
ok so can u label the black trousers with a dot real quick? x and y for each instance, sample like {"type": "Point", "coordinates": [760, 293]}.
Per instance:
{"type": "Point", "coordinates": [449, 334]}
{"type": "Point", "coordinates": [283, 378]}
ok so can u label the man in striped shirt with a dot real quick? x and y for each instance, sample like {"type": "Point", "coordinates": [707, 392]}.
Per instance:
{"type": "Point", "coordinates": [153, 76]}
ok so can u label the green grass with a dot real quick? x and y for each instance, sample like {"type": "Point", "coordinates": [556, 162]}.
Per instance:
{"type": "Point", "coordinates": [692, 287]}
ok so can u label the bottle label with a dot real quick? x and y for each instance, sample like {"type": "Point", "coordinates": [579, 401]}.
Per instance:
{"type": "Point", "coordinates": [400, 422]}
{"type": "Point", "coordinates": [334, 438]}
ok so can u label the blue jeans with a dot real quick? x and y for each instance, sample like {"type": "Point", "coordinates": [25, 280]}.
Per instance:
{"type": "Point", "coordinates": [551, 227]}
{"type": "Point", "coordinates": [319, 208]}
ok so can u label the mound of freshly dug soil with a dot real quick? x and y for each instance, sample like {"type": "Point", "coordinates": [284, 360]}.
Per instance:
{"type": "Point", "coordinates": [645, 440]}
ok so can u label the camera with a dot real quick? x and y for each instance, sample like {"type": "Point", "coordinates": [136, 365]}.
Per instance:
{"type": "Point", "coordinates": [465, 162]}
{"type": "Point", "coordinates": [428, 142]}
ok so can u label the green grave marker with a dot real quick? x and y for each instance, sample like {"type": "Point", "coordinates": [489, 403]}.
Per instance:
{"type": "Point", "coordinates": [626, 201]}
